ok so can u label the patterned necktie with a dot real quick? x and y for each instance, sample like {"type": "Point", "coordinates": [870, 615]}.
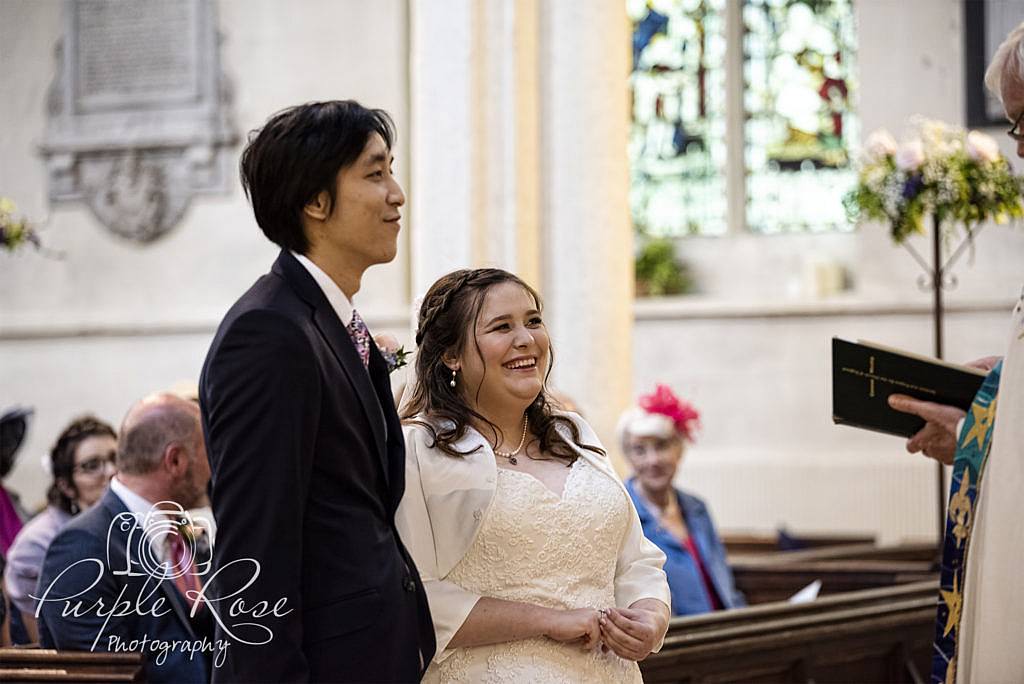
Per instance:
{"type": "Point", "coordinates": [360, 335]}
{"type": "Point", "coordinates": [182, 564]}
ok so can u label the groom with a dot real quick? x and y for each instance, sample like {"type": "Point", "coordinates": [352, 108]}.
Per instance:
{"type": "Point", "coordinates": [305, 445]}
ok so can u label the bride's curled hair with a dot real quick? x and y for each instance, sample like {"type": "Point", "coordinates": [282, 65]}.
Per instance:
{"type": "Point", "coordinates": [446, 327]}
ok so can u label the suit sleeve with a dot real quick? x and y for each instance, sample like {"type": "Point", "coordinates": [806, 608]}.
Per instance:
{"type": "Point", "coordinates": [73, 575]}
{"type": "Point", "coordinates": [261, 402]}
{"type": "Point", "coordinates": [450, 604]}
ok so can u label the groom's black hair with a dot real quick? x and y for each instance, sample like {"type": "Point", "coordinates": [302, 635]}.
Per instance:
{"type": "Point", "coordinates": [298, 154]}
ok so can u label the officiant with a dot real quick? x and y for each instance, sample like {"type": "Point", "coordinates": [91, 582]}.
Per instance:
{"type": "Point", "coordinates": [980, 623]}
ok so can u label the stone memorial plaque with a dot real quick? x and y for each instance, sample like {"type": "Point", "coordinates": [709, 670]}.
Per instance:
{"type": "Point", "coordinates": [138, 112]}
{"type": "Point", "coordinates": [135, 53]}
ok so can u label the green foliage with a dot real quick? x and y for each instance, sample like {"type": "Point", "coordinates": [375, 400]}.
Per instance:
{"type": "Point", "coordinates": [14, 232]}
{"type": "Point", "coordinates": [659, 272]}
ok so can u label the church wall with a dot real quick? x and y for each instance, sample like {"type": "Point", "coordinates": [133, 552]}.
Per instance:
{"type": "Point", "coordinates": [110, 321]}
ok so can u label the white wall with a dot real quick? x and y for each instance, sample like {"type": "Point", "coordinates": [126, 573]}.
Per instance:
{"type": "Point", "coordinates": [151, 311]}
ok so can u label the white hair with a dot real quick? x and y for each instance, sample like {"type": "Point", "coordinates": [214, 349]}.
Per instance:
{"type": "Point", "coordinates": [1008, 61]}
{"type": "Point", "coordinates": [637, 422]}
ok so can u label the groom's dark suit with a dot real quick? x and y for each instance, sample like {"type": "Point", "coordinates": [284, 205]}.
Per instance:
{"type": "Point", "coordinates": [307, 462]}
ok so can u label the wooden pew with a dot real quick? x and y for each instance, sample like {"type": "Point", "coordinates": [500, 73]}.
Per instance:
{"type": "Point", "coordinates": [777, 576]}
{"type": "Point", "coordinates": [765, 584]}
{"type": "Point", "coordinates": [876, 635]}
{"type": "Point", "coordinates": [45, 665]}
{"type": "Point", "coordinates": [737, 543]}
{"type": "Point", "coordinates": [923, 552]}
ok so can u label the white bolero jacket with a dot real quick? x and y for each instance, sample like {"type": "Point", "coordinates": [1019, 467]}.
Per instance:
{"type": "Point", "coordinates": [446, 500]}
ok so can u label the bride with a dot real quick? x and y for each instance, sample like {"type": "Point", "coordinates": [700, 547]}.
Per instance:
{"type": "Point", "coordinates": [529, 547]}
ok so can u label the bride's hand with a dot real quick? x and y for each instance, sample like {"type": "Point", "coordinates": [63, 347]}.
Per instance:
{"type": "Point", "coordinates": [579, 625]}
{"type": "Point", "coordinates": [632, 633]}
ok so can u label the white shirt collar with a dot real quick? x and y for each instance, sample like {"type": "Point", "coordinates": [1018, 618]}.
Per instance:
{"type": "Point", "coordinates": [335, 297]}
{"type": "Point", "coordinates": [132, 501]}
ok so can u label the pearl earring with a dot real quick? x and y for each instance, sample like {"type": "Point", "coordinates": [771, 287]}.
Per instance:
{"type": "Point", "coordinates": [452, 383]}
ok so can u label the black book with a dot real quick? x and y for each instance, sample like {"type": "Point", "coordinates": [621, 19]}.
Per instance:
{"type": "Point", "coordinates": [864, 374]}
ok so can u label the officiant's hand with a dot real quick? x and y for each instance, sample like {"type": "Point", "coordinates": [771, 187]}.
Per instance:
{"type": "Point", "coordinates": [580, 626]}
{"type": "Point", "coordinates": [632, 633]}
{"type": "Point", "coordinates": [937, 439]}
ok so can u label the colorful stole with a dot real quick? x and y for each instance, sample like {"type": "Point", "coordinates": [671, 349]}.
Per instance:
{"type": "Point", "coordinates": [968, 467]}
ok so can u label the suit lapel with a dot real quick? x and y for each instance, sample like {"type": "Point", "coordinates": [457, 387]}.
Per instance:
{"type": "Point", "coordinates": [177, 605]}
{"type": "Point", "coordinates": [132, 540]}
{"type": "Point", "coordinates": [337, 338]}
{"type": "Point", "coordinates": [395, 442]}
{"type": "Point", "coordinates": [345, 351]}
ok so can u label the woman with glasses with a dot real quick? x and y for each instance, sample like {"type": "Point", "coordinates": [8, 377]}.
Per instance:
{"type": "Point", "coordinates": [653, 436]}
{"type": "Point", "coordinates": [82, 463]}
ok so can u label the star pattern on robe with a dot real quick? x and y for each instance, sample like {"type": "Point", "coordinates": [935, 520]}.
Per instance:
{"type": "Point", "coordinates": [954, 600]}
{"type": "Point", "coordinates": [960, 509]}
{"type": "Point", "coordinates": [983, 418]}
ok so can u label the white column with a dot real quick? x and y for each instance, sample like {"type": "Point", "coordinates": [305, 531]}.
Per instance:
{"type": "Point", "coordinates": [519, 123]}
{"type": "Point", "coordinates": [443, 125]}
{"type": "Point", "coordinates": [474, 121]}
{"type": "Point", "coordinates": [588, 246]}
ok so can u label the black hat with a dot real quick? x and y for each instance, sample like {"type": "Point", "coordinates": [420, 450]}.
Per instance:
{"type": "Point", "coordinates": [13, 426]}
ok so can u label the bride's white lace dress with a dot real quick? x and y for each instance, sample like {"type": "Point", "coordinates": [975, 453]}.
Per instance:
{"type": "Point", "coordinates": [556, 551]}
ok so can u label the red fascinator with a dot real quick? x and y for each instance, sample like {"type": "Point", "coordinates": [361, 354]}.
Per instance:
{"type": "Point", "coordinates": [682, 414]}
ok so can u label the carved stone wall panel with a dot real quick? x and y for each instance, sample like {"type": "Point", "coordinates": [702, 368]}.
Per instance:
{"type": "Point", "coordinates": [139, 112]}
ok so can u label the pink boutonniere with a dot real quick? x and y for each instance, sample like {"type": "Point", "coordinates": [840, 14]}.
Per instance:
{"type": "Point", "coordinates": [394, 354]}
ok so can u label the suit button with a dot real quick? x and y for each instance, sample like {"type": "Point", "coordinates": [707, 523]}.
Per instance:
{"type": "Point", "coordinates": [408, 584]}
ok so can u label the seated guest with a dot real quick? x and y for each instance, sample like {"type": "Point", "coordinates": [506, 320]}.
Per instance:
{"type": "Point", "coordinates": [82, 463]}
{"type": "Point", "coordinates": [137, 526]}
{"type": "Point", "coordinates": [5, 638]}
{"type": "Point", "coordinates": [653, 437]}
{"type": "Point", "coordinates": [13, 425]}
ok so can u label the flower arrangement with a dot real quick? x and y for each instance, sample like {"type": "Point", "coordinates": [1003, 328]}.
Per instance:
{"type": "Point", "coordinates": [394, 355]}
{"type": "Point", "coordinates": [682, 414]}
{"type": "Point", "coordinates": [959, 177]}
{"type": "Point", "coordinates": [14, 232]}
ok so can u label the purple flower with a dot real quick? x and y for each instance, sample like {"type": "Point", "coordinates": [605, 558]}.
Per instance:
{"type": "Point", "coordinates": [912, 186]}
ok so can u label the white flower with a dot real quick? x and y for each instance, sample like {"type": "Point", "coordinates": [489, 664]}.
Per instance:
{"type": "Point", "coordinates": [981, 147]}
{"type": "Point", "coordinates": [910, 155]}
{"type": "Point", "coordinates": [880, 144]}
{"type": "Point", "coordinates": [935, 132]}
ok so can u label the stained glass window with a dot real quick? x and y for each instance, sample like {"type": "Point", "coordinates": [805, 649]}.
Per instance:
{"type": "Point", "coordinates": [800, 123]}
{"type": "Point", "coordinates": [677, 141]}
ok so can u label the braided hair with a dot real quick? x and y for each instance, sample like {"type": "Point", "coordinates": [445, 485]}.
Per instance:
{"type": "Point", "coordinates": [445, 327]}
{"type": "Point", "coordinates": [62, 458]}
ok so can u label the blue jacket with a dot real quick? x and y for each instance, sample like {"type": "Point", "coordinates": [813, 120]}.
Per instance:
{"type": "Point", "coordinates": [83, 563]}
{"type": "Point", "coordinates": [688, 595]}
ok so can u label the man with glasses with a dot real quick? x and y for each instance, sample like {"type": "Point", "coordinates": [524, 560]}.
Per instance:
{"type": "Point", "coordinates": [980, 626]}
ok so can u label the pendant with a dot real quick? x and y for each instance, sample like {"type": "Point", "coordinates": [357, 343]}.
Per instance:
{"type": "Point", "coordinates": [512, 460]}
